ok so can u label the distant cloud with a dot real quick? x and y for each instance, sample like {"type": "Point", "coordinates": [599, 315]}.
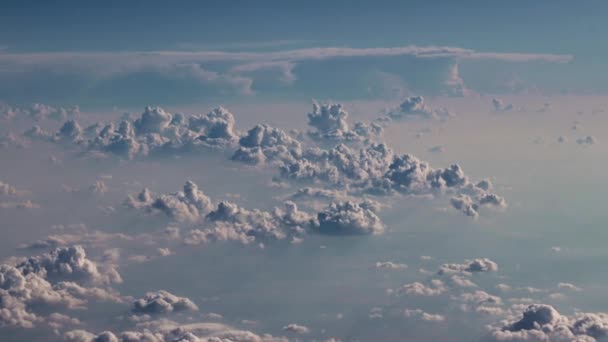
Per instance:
{"type": "Point", "coordinates": [541, 322]}
{"type": "Point", "coordinates": [588, 140]}
{"type": "Point", "coordinates": [161, 302]}
{"type": "Point", "coordinates": [415, 107]}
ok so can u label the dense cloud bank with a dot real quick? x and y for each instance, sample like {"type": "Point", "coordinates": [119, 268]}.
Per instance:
{"type": "Point", "coordinates": [367, 167]}
{"type": "Point", "coordinates": [154, 132]}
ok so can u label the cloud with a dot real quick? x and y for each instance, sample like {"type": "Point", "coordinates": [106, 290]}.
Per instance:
{"type": "Point", "coordinates": [69, 263]}
{"type": "Point", "coordinates": [389, 265]}
{"type": "Point", "coordinates": [38, 112]}
{"type": "Point", "coordinates": [415, 108]}
{"type": "Point", "coordinates": [348, 218]}
{"type": "Point", "coordinates": [425, 316]}
{"type": "Point", "coordinates": [435, 288]}
{"type": "Point", "coordinates": [164, 331]}
{"type": "Point", "coordinates": [469, 266]}
{"type": "Point", "coordinates": [330, 122]}
{"type": "Point", "coordinates": [31, 288]}
{"type": "Point", "coordinates": [192, 75]}
{"type": "Point", "coordinates": [296, 329]}
{"type": "Point", "coordinates": [541, 322]}
{"type": "Point", "coordinates": [162, 302]}
{"type": "Point", "coordinates": [187, 205]}
{"type": "Point", "coordinates": [501, 107]}
{"type": "Point", "coordinates": [264, 143]}
{"type": "Point", "coordinates": [9, 190]}
{"type": "Point", "coordinates": [588, 140]}
{"type": "Point", "coordinates": [154, 132]}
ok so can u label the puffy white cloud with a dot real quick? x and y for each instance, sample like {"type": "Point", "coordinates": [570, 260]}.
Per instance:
{"type": "Point", "coordinates": [154, 132]}
{"type": "Point", "coordinates": [414, 107]}
{"type": "Point", "coordinates": [217, 127]}
{"type": "Point", "coordinates": [348, 218]}
{"type": "Point", "coordinates": [169, 331]}
{"type": "Point", "coordinates": [69, 263]}
{"type": "Point", "coordinates": [541, 322]}
{"type": "Point", "coordinates": [469, 266]}
{"type": "Point", "coordinates": [160, 302]}
{"type": "Point", "coordinates": [187, 205]}
{"type": "Point", "coordinates": [425, 316]}
{"type": "Point", "coordinates": [264, 143]}
{"type": "Point", "coordinates": [152, 120]}
{"type": "Point", "coordinates": [330, 122]}
{"type": "Point", "coordinates": [435, 288]}
{"type": "Point", "coordinates": [23, 292]}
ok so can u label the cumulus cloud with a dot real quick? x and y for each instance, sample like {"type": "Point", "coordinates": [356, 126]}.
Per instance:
{"type": "Point", "coordinates": [162, 302]}
{"type": "Point", "coordinates": [155, 131]}
{"type": "Point", "coordinates": [40, 282]}
{"type": "Point", "coordinates": [425, 316]}
{"type": "Point", "coordinates": [541, 322]}
{"type": "Point", "coordinates": [348, 218]}
{"type": "Point", "coordinates": [415, 107]}
{"type": "Point", "coordinates": [187, 205]}
{"type": "Point", "coordinates": [330, 121]}
{"type": "Point", "coordinates": [69, 263]}
{"type": "Point", "coordinates": [165, 330]}
{"type": "Point", "coordinates": [469, 266]}
{"type": "Point", "coordinates": [264, 143]}
{"type": "Point", "coordinates": [435, 288]}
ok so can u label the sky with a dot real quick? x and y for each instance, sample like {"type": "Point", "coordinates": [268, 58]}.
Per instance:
{"type": "Point", "coordinates": [303, 171]}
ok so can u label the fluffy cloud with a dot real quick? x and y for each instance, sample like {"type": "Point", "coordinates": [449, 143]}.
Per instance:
{"type": "Point", "coordinates": [38, 283]}
{"type": "Point", "coordinates": [187, 205]}
{"type": "Point", "coordinates": [348, 218]}
{"type": "Point", "coordinates": [165, 331]}
{"type": "Point", "coordinates": [414, 107]}
{"type": "Point", "coordinates": [469, 266]}
{"type": "Point", "coordinates": [435, 288]}
{"type": "Point", "coordinates": [425, 316]}
{"type": "Point", "coordinates": [330, 122]}
{"type": "Point", "coordinates": [264, 143]}
{"type": "Point", "coordinates": [155, 131]}
{"type": "Point", "coordinates": [161, 302]}
{"type": "Point", "coordinates": [69, 263]}
{"type": "Point", "coordinates": [540, 322]}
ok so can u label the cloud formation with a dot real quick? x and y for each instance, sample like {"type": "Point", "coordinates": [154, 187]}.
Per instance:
{"type": "Point", "coordinates": [162, 302]}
